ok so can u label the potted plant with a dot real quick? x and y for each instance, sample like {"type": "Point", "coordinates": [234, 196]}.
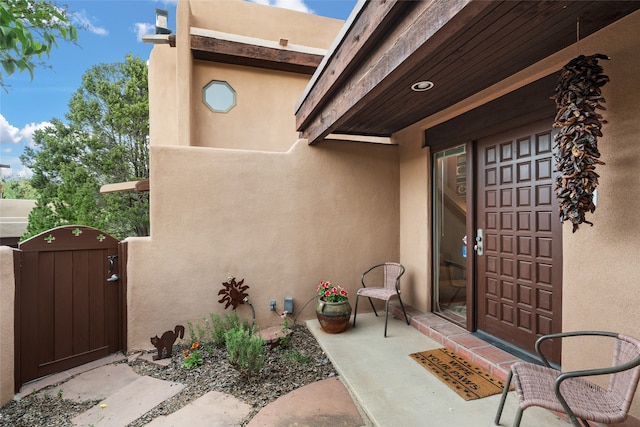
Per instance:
{"type": "Point", "coordinates": [333, 309]}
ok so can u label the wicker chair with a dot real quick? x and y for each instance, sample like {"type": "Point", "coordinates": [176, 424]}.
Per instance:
{"type": "Point", "coordinates": [391, 287]}
{"type": "Point", "coordinates": [558, 391]}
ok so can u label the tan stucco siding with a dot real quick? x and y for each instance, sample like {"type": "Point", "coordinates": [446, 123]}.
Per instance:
{"type": "Point", "coordinates": [263, 117]}
{"type": "Point", "coordinates": [163, 113]}
{"type": "Point", "coordinates": [281, 221]}
{"type": "Point", "coordinates": [264, 22]}
{"type": "Point", "coordinates": [415, 229]}
{"type": "Point", "coordinates": [7, 317]}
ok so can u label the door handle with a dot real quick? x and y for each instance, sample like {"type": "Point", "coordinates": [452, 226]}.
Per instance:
{"type": "Point", "coordinates": [113, 276]}
{"type": "Point", "coordinates": [479, 246]}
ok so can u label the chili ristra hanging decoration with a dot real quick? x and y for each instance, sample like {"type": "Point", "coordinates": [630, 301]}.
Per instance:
{"type": "Point", "coordinates": [578, 96]}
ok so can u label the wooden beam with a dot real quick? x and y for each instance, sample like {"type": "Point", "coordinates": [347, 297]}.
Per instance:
{"type": "Point", "coordinates": [142, 186]}
{"type": "Point", "coordinates": [138, 186]}
{"type": "Point", "coordinates": [359, 138]}
{"type": "Point", "coordinates": [350, 53]}
{"type": "Point", "coordinates": [252, 55]}
{"type": "Point", "coordinates": [427, 27]}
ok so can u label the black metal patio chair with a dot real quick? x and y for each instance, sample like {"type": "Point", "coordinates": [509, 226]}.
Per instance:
{"type": "Point", "coordinates": [390, 288]}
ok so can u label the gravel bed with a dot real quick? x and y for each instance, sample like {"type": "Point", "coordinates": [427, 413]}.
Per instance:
{"type": "Point", "coordinates": [285, 370]}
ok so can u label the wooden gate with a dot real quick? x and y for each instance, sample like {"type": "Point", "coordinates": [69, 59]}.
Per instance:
{"type": "Point", "coordinates": [70, 300]}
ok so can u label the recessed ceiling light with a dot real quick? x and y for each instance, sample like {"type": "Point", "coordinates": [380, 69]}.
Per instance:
{"type": "Point", "coordinates": [421, 86]}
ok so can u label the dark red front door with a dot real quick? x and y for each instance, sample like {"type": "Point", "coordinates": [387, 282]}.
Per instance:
{"type": "Point", "coordinates": [519, 274]}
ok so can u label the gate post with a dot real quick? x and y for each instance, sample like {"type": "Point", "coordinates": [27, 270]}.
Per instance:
{"type": "Point", "coordinates": [7, 322]}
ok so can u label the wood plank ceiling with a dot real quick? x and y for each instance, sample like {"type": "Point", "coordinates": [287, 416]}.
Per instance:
{"type": "Point", "coordinates": [462, 46]}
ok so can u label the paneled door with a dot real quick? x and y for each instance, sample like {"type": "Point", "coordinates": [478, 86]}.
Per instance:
{"type": "Point", "coordinates": [519, 234]}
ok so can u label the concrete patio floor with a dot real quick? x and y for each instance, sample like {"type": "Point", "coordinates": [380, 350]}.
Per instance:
{"type": "Point", "coordinates": [391, 389]}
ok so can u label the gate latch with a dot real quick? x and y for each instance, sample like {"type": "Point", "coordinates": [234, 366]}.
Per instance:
{"type": "Point", "coordinates": [113, 276]}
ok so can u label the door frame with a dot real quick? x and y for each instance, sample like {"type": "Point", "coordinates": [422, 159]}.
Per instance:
{"type": "Point", "coordinates": [506, 112]}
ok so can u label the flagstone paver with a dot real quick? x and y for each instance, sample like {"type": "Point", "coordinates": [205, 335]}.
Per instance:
{"type": "Point", "coordinates": [129, 403]}
{"type": "Point", "coordinates": [41, 383]}
{"type": "Point", "coordinates": [99, 383]}
{"type": "Point", "coordinates": [307, 406]}
{"type": "Point", "coordinates": [214, 409]}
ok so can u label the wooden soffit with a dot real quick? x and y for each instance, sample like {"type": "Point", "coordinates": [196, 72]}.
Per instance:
{"type": "Point", "coordinates": [364, 86]}
{"type": "Point", "coordinates": [208, 45]}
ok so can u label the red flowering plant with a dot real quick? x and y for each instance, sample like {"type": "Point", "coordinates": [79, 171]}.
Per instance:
{"type": "Point", "coordinates": [191, 357]}
{"type": "Point", "coordinates": [331, 293]}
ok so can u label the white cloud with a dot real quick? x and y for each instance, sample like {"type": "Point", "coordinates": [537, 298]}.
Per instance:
{"type": "Point", "coordinates": [8, 134]}
{"type": "Point", "coordinates": [298, 5]}
{"type": "Point", "coordinates": [12, 143]}
{"type": "Point", "coordinates": [81, 20]}
{"type": "Point", "coordinates": [142, 28]}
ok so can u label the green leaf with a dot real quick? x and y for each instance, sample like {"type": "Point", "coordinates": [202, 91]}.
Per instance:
{"type": "Point", "coordinates": [30, 28]}
{"type": "Point", "coordinates": [73, 33]}
{"type": "Point", "coordinates": [5, 30]}
{"type": "Point", "coordinates": [9, 67]}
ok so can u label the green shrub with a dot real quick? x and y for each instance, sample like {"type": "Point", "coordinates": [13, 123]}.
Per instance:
{"type": "Point", "coordinates": [245, 349]}
{"type": "Point", "coordinates": [218, 327]}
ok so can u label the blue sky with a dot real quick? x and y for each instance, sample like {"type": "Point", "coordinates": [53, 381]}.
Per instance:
{"type": "Point", "coordinates": [111, 29]}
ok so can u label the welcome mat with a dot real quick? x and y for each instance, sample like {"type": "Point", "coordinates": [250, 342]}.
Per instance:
{"type": "Point", "coordinates": [465, 378]}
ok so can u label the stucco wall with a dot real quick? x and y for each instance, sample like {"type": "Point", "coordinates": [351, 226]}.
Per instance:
{"type": "Point", "coordinates": [264, 22]}
{"type": "Point", "coordinates": [415, 223]}
{"type": "Point", "coordinates": [7, 301]}
{"type": "Point", "coordinates": [164, 124]}
{"type": "Point", "coordinates": [281, 221]}
{"type": "Point", "coordinates": [263, 117]}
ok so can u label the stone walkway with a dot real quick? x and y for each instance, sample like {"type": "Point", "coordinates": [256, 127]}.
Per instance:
{"type": "Point", "coordinates": [125, 396]}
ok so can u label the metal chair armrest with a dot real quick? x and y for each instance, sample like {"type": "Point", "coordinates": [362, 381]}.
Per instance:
{"type": "Point", "coordinates": [565, 335]}
{"type": "Point", "coordinates": [597, 371]}
{"type": "Point", "coordinates": [368, 271]}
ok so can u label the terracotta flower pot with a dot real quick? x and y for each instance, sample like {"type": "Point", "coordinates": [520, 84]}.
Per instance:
{"type": "Point", "coordinates": [333, 316]}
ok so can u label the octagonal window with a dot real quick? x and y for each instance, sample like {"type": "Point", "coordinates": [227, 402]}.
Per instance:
{"type": "Point", "coordinates": [219, 96]}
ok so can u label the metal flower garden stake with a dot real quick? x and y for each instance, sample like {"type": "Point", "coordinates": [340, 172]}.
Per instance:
{"type": "Point", "coordinates": [578, 96]}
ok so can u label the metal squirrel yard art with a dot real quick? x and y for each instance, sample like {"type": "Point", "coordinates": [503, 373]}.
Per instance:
{"type": "Point", "coordinates": [578, 96]}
